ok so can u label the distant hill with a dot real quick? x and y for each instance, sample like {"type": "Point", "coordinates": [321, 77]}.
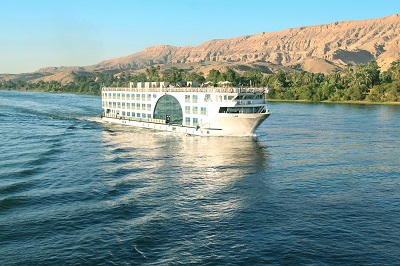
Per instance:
{"type": "Point", "coordinates": [319, 48]}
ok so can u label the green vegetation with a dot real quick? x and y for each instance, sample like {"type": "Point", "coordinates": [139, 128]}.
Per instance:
{"type": "Point", "coordinates": [363, 82]}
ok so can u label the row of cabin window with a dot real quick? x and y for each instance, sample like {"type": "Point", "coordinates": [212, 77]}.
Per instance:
{"type": "Point", "coordinates": [195, 110]}
{"type": "Point", "coordinates": [147, 97]}
{"type": "Point", "coordinates": [142, 97]}
{"type": "Point", "coordinates": [191, 122]}
{"type": "Point", "coordinates": [133, 114]}
{"type": "Point", "coordinates": [188, 121]}
{"type": "Point", "coordinates": [128, 96]}
{"type": "Point", "coordinates": [188, 109]}
{"type": "Point", "coordinates": [124, 105]}
{"type": "Point", "coordinates": [195, 98]}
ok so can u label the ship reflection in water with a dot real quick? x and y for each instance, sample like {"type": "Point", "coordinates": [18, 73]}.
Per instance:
{"type": "Point", "coordinates": [180, 177]}
{"type": "Point", "coordinates": [177, 155]}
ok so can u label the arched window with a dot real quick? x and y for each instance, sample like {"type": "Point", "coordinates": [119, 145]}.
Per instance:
{"type": "Point", "coordinates": [169, 105]}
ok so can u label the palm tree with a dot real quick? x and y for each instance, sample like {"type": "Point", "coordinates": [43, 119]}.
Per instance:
{"type": "Point", "coordinates": [307, 78]}
{"type": "Point", "coordinates": [174, 75]}
{"type": "Point", "coordinates": [153, 73]}
{"type": "Point", "coordinates": [335, 76]}
{"type": "Point", "coordinates": [395, 69]}
{"type": "Point", "coordinates": [348, 69]}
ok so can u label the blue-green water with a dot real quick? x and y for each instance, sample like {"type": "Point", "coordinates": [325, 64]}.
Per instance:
{"type": "Point", "coordinates": [319, 185]}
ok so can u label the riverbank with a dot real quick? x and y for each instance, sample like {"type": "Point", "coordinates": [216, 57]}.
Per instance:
{"type": "Point", "coordinates": [341, 102]}
{"type": "Point", "coordinates": [270, 100]}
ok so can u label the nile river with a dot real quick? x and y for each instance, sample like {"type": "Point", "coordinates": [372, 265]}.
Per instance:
{"type": "Point", "coordinates": [319, 185]}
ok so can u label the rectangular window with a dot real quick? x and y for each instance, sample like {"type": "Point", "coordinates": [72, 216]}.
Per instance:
{"type": "Point", "coordinates": [143, 115]}
{"type": "Point", "coordinates": [128, 113]}
{"type": "Point", "coordinates": [187, 98]}
{"type": "Point", "coordinates": [148, 97]}
{"type": "Point", "coordinates": [195, 110]}
{"type": "Point", "coordinates": [143, 106]}
{"type": "Point", "coordinates": [138, 97]}
{"type": "Point", "coordinates": [195, 99]}
{"type": "Point", "coordinates": [149, 107]}
{"type": "Point", "coordinates": [187, 110]}
{"type": "Point", "coordinates": [195, 121]}
{"type": "Point", "coordinates": [143, 97]}
{"type": "Point", "coordinates": [187, 121]}
{"type": "Point", "coordinates": [137, 114]}
{"type": "Point", "coordinates": [203, 110]}
{"type": "Point", "coordinates": [123, 113]}
{"type": "Point", "coordinates": [148, 115]}
{"type": "Point", "coordinates": [138, 106]}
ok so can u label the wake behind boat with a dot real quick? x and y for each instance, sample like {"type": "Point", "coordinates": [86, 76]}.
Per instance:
{"type": "Point", "coordinates": [190, 109]}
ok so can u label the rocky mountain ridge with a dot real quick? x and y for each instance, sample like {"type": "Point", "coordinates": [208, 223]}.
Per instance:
{"type": "Point", "coordinates": [339, 43]}
{"type": "Point", "coordinates": [319, 48]}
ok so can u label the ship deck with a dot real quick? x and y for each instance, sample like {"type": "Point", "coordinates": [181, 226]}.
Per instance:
{"type": "Point", "coordinates": [188, 89]}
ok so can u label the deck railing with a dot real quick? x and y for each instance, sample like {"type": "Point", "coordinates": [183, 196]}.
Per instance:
{"type": "Point", "coordinates": [187, 89]}
{"type": "Point", "coordinates": [139, 119]}
{"type": "Point", "coordinates": [251, 102]}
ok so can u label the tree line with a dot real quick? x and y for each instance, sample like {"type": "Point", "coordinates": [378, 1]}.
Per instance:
{"type": "Point", "coordinates": [362, 82]}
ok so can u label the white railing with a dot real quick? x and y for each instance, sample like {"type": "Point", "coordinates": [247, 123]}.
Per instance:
{"type": "Point", "coordinates": [187, 89]}
{"type": "Point", "coordinates": [139, 119]}
{"type": "Point", "coordinates": [251, 102]}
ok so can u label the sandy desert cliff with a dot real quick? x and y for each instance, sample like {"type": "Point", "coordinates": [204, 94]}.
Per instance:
{"type": "Point", "coordinates": [339, 42]}
{"type": "Point", "coordinates": [319, 48]}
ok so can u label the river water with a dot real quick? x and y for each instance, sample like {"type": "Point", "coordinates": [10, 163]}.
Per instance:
{"type": "Point", "coordinates": [319, 185]}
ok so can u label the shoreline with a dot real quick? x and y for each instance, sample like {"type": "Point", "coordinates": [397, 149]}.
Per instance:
{"type": "Point", "coordinates": [336, 102]}
{"type": "Point", "coordinates": [269, 100]}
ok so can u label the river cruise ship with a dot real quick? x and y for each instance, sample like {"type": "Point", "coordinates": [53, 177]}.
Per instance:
{"type": "Point", "coordinates": [188, 108]}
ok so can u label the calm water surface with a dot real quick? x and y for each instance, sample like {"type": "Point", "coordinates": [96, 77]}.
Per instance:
{"type": "Point", "coordinates": [319, 185]}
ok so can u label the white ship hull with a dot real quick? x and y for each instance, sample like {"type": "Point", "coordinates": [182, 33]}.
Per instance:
{"type": "Point", "coordinates": [230, 126]}
{"type": "Point", "coordinates": [195, 111]}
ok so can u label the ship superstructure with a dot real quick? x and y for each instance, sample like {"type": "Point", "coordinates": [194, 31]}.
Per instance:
{"type": "Point", "coordinates": [190, 109]}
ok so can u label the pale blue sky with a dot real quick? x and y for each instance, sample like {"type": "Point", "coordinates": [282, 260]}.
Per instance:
{"type": "Point", "coordinates": [41, 33]}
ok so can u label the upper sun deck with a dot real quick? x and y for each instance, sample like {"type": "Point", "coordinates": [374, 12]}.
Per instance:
{"type": "Point", "coordinates": [235, 90]}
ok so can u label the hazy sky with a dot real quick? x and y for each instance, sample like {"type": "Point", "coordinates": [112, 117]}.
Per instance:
{"type": "Point", "coordinates": [41, 33]}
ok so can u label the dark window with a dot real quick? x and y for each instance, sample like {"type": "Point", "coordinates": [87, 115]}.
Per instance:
{"type": "Point", "coordinates": [169, 105]}
{"type": "Point", "coordinates": [223, 109]}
